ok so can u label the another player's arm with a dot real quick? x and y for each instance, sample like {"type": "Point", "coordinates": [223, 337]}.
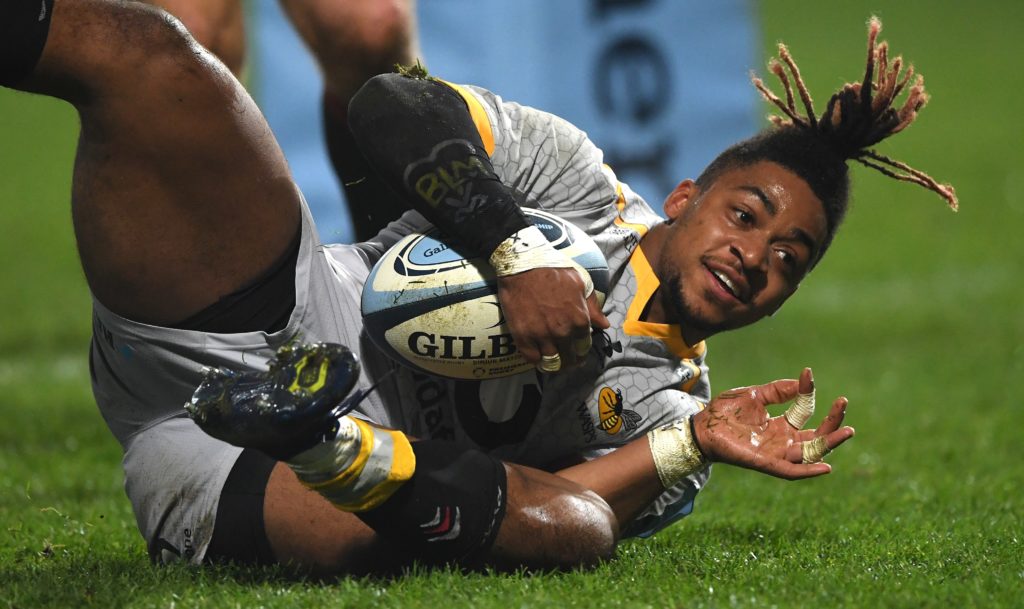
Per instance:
{"type": "Point", "coordinates": [735, 428]}
{"type": "Point", "coordinates": [419, 136]}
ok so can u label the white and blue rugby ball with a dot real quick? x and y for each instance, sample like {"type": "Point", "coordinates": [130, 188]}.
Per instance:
{"type": "Point", "coordinates": [429, 306]}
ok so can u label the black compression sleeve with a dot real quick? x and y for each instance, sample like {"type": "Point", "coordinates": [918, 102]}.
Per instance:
{"type": "Point", "coordinates": [419, 137]}
{"type": "Point", "coordinates": [451, 509]}
{"type": "Point", "coordinates": [24, 25]}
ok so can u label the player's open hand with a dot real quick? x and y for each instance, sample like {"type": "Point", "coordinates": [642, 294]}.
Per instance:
{"type": "Point", "coordinates": [736, 428]}
{"type": "Point", "coordinates": [549, 315]}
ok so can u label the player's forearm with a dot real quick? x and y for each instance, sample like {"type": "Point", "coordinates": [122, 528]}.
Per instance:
{"type": "Point", "coordinates": [419, 137]}
{"type": "Point", "coordinates": [626, 479]}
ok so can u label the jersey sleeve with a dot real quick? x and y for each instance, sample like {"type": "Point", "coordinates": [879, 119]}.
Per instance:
{"type": "Point", "coordinates": [410, 222]}
{"type": "Point", "coordinates": [547, 161]}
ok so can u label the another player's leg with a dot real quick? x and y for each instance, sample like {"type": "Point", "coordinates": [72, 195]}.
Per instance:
{"type": "Point", "coordinates": [180, 193]}
{"type": "Point", "coordinates": [436, 502]}
{"type": "Point", "coordinates": [352, 41]}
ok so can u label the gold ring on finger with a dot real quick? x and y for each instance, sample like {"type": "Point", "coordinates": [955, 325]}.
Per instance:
{"type": "Point", "coordinates": [550, 363]}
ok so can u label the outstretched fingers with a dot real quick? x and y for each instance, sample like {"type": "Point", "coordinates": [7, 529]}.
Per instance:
{"type": "Point", "coordinates": [777, 446]}
{"type": "Point", "coordinates": [806, 381]}
{"type": "Point", "coordinates": [832, 421]}
{"type": "Point", "coordinates": [775, 392]}
{"type": "Point", "coordinates": [814, 445]}
{"type": "Point", "coordinates": [803, 407]}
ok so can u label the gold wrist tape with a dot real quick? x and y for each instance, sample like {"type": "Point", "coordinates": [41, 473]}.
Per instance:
{"type": "Point", "coordinates": [675, 452]}
{"type": "Point", "coordinates": [529, 249]}
{"type": "Point", "coordinates": [814, 450]}
{"type": "Point", "coordinates": [800, 412]}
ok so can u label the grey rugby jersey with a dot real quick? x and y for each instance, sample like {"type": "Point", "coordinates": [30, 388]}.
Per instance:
{"type": "Point", "coordinates": [638, 376]}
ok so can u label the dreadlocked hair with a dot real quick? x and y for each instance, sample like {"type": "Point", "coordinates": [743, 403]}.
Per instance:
{"type": "Point", "coordinates": [856, 117]}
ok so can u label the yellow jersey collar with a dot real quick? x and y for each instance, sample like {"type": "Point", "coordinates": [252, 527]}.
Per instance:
{"type": "Point", "coordinates": [671, 334]}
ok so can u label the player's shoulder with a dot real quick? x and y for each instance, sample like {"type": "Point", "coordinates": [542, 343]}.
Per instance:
{"type": "Point", "coordinates": [631, 208]}
{"type": "Point", "coordinates": [521, 122]}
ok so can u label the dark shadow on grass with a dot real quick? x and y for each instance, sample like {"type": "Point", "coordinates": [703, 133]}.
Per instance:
{"type": "Point", "coordinates": [251, 574]}
{"type": "Point", "coordinates": [77, 578]}
{"type": "Point", "coordinates": [717, 537]}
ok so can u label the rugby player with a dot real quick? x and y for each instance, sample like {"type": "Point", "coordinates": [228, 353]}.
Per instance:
{"type": "Point", "coordinates": [199, 251]}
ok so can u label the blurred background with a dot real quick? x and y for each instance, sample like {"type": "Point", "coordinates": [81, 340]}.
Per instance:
{"type": "Point", "coordinates": [662, 86]}
{"type": "Point", "coordinates": [916, 313]}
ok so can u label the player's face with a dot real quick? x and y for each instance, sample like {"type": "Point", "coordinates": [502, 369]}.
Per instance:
{"type": "Point", "coordinates": [737, 250]}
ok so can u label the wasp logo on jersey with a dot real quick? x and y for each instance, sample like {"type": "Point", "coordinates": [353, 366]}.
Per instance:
{"type": "Point", "coordinates": [613, 417]}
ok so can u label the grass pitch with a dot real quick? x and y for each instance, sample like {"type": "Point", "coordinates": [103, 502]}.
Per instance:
{"type": "Point", "coordinates": [916, 315]}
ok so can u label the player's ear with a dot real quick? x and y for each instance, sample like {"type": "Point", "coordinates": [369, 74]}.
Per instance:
{"type": "Point", "coordinates": [677, 201]}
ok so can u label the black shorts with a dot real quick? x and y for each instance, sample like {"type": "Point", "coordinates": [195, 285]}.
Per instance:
{"type": "Point", "coordinates": [239, 534]}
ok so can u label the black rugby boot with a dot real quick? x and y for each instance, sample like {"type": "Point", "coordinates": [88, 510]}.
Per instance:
{"type": "Point", "coordinates": [284, 411]}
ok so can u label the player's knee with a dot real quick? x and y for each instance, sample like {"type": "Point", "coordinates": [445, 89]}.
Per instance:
{"type": "Point", "coordinates": [385, 37]}
{"type": "Point", "coordinates": [160, 54]}
{"type": "Point", "coordinates": [140, 45]}
{"type": "Point", "coordinates": [365, 36]}
{"type": "Point", "coordinates": [122, 47]}
{"type": "Point", "coordinates": [151, 30]}
{"type": "Point", "coordinates": [157, 35]}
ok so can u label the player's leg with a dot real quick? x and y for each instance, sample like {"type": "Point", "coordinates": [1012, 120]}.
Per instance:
{"type": "Point", "coordinates": [180, 193]}
{"type": "Point", "coordinates": [355, 39]}
{"type": "Point", "coordinates": [549, 523]}
{"type": "Point", "coordinates": [380, 499]}
{"type": "Point", "coordinates": [218, 25]}
{"type": "Point", "coordinates": [352, 41]}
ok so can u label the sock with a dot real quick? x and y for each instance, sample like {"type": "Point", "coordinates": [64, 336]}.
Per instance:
{"type": "Point", "coordinates": [360, 468]}
{"type": "Point", "coordinates": [442, 502]}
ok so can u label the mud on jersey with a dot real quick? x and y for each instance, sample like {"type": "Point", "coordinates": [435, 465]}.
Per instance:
{"type": "Point", "coordinates": [638, 375]}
